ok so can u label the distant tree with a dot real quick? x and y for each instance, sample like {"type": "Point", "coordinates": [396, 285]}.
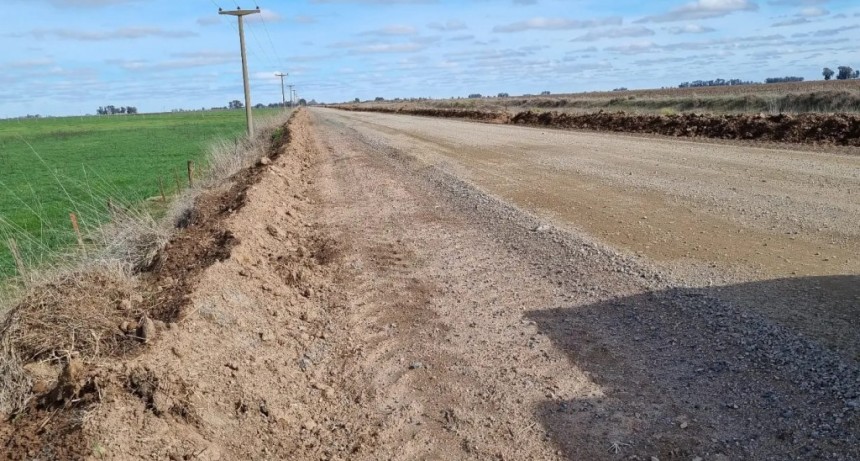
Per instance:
{"type": "Point", "coordinates": [828, 73]}
{"type": "Point", "coordinates": [504, 95]}
{"type": "Point", "coordinates": [379, 99]}
{"type": "Point", "coordinates": [717, 82]}
{"type": "Point", "coordinates": [620, 89]}
{"type": "Point", "coordinates": [302, 102]}
{"type": "Point", "coordinates": [475, 96]}
{"type": "Point", "coordinates": [544, 93]}
{"type": "Point", "coordinates": [131, 110]}
{"type": "Point", "coordinates": [783, 79]}
{"type": "Point", "coordinates": [856, 74]}
{"type": "Point", "coordinates": [259, 106]}
{"type": "Point", "coordinates": [356, 100]}
{"type": "Point", "coordinates": [844, 73]}
{"type": "Point", "coordinates": [235, 104]}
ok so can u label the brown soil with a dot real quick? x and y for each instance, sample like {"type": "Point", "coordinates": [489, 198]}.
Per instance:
{"type": "Point", "coordinates": [837, 129]}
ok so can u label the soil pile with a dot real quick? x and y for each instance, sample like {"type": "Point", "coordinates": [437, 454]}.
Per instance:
{"type": "Point", "coordinates": [839, 129]}
{"type": "Point", "coordinates": [470, 114]}
{"type": "Point", "coordinates": [836, 129]}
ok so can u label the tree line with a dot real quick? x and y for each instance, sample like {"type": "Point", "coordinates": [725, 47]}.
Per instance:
{"type": "Point", "coordinates": [844, 73]}
{"type": "Point", "coordinates": [113, 110]}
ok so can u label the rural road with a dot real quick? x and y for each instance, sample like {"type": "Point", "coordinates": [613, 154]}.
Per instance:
{"type": "Point", "coordinates": [393, 287]}
{"type": "Point", "coordinates": [486, 333]}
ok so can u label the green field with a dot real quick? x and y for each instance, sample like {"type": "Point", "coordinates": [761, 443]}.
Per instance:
{"type": "Point", "coordinates": [54, 166]}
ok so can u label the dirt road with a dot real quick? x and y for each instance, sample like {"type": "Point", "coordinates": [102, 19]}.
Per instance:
{"type": "Point", "coordinates": [385, 296]}
{"type": "Point", "coordinates": [485, 321]}
{"type": "Point", "coordinates": [705, 214]}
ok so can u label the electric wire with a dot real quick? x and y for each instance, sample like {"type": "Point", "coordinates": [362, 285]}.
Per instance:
{"type": "Point", "coordinates": [271, 43]}
{"type": "Point", "coordinates": [269, 59]}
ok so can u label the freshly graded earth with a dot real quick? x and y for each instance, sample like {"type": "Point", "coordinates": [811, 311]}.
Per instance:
{"type": "Point", "coordinates": [407, 288]}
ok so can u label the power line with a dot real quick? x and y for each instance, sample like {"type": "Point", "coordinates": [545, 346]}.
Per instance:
{"type": "Point", "coordinates": [271, 43]}
{"type": "Point", "coordinates": [257, 40]}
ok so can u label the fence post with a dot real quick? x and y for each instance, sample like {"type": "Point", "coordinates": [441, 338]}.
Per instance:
{"type": "Point", "coordinates": [161, 188]}
{"type": "Point", "coordinates": [190, 173]}
{"type": "Point", "coordinates": [77, 229]}
{"type": "Point", "coordinates": [16, 255]}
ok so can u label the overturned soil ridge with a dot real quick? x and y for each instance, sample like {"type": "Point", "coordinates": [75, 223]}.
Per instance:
{"type": "Point", "coordinates": [470, 114]}
{"type": "Point", "coordinates": [73, 334]}
{"type": "Point", "coordinates": [836, 129]}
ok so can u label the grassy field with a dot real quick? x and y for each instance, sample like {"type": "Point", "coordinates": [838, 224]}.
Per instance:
{"type": "Point", "coordinates": [55, 166]}
{"type": "Point", "coordinates": [814, 96]}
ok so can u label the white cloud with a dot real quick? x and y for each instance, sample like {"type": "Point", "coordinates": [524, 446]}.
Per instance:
{"type": "Point", "coordinates": [690, 29]}
{"type": "Point", "coordinates": [703, 9]}
{"type": "Point", "coordinates": [557, 24]}
{"type": "Point", "coordinates": [88, 3]}
{"type": "Point", "coordinates": [265, 15]}
{"type": "Point", "coordinates": [791, 22]}
{"type": "Point", "coordinates": [813, 12]}
{"type": "Point", "coordinates": [127, 33]}
{"type": "Point", "coordinates": [447, 26]}
{"type": "Point", "coordinates": [394, 30]}
{"type": "Point", "coordinates": [797, 2]}
{"type": "Point", "coordinates": [620, 32]}
{"type": "Point", "coordinates": [208, 20]}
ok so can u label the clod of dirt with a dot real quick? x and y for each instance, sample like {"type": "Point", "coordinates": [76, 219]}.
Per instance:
{"type": "Point", "coordinates": [69, 383]}
{"type": "Point", "coordinates": [146, 330]}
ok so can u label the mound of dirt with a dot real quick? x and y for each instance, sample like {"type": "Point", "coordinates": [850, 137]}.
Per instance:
{"type": "Point", "coordinates": [470, 114]}
{"type": "Point", "coordinates": [837, 129]}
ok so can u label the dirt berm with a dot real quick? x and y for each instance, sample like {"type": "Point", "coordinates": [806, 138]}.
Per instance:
{"type": "Point", "coordinates": [837, 129]}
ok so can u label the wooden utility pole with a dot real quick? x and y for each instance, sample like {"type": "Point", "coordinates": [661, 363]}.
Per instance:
{"type": "Point", "coordinates": [283, 97]}
{"type": "Point", "coordinates": [240, 14]}
{"type": "Point", "coordinates": [291, 94]}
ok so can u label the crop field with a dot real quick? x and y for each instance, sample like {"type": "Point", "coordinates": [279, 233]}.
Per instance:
{"type": "Point", "coordinates": [55, 166]}
{"type": "Point", "coordinates": [841, 96]}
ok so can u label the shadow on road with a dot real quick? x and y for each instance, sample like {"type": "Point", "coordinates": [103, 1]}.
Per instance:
{"type": "Point", "coordinates": [701, 372]}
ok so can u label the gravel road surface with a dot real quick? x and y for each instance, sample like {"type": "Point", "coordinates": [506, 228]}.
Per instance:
{"type": "Point", "coordinates": [519, 293]}
{"type": "Point", "coordinates": [704, 214]}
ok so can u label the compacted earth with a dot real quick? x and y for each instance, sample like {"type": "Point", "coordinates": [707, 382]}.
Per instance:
{"type": "Point", "coordinates": [392, 287]}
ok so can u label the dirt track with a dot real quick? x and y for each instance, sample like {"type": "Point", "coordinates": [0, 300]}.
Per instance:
{"type": "Point", "coordinates": [405, 288]}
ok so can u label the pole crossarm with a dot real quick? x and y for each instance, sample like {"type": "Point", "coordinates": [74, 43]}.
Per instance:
{"type": "Point", "coordinates": [283, 97]}
{"type": "Point", "coordinates": [238, 12]}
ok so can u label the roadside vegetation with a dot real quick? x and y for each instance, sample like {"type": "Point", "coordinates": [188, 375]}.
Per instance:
{"type": "Point", "coordinates": [99, 168]}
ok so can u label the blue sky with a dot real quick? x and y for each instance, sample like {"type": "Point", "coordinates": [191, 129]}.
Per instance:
{"type": "Point", "coordinates": [67, 57]}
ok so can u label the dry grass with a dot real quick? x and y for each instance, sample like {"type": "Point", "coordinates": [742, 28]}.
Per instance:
{"type": "Point", "coordinates": [77, 303]}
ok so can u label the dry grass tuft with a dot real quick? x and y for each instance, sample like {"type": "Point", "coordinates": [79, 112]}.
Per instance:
{"type": "Point", "coordinates": [79, 311]}
{"type": "Point", "coordinates": [15, 384]}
